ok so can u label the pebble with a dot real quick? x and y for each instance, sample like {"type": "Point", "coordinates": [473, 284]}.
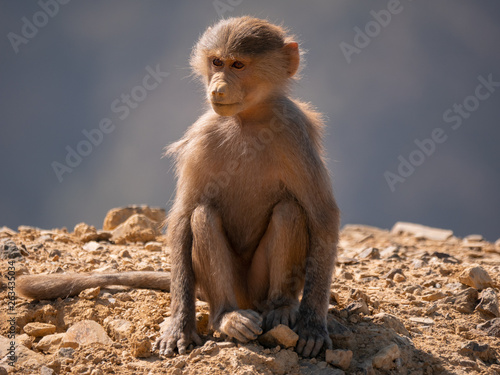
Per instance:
{"type": "Point", "coordinates": [424, 321]}
{"type": "Point", "coordinates": [117, 216]}
{"type": "Point", "coordinates": [385, 358]}
{"type": "Point", "coordinates": [84, 333]}
{"type": "Point", "coordinates": [431, 297]}
{"type": "Point", "coordinates": [153, 246]}
{"type": "Point", "coordinates": [422, 231]}
{"type": "Point", "coordinates": [481, 351]}
{"type": "Point", "coordinates": [92, 246]}
{"type": "Point", "coordinates": [140, 346]}
{"type": "Point", "coordinates": [370, 253]}
{"type": "Point", "coordinates": [466, 301]}
{"type": "Point", "coordinates": [488, 303]}
{"type": "Point", "coordinates": [339, 358]}
{"type": "Point", "coordinates": [399, 278]}
{"type": "Point", "coordinates": [9, 250]}
{"type": "Point", "coordinates": [66, 352]}
{"type": "Point", "coordinates": [281, 335]}
{"type": "Point", "coordinates": [491, 327]}
{"type": "Point", "coordinates": [50, 343]}
{"type": "Point", "coordinates": [119, 329]}
{"type": "Point", "coordinates": [37, 329]}
{"type": "Point", "coordinates": [390, 275]}
{"type": "Point", "coordinates": [137, 228]}
{"type": "Point", "coordinates": [358, 307]}
{"type": "Point", "coordinates": [476, 277]}
{"type": "Point", "coordinates": [90, 293]}
{"type": "Point", "coordinates": [85, 232]}
{"type": "Point", "coordinates": [44, 370]}
{"type": "Point", "coordinates": [391, 322]}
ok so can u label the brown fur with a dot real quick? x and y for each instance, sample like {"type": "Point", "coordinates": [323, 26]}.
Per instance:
{"type": "Point", "coordinates": [254, 220]}
{"type": "Point", "coordinates": [67, 285]}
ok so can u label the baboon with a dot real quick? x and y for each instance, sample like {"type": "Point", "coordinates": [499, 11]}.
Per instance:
{"type": "Point", "coordinates": [254, 222]}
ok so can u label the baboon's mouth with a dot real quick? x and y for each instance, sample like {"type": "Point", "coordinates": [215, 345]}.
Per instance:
{"type": "Point", "coordinates": [224, 104]}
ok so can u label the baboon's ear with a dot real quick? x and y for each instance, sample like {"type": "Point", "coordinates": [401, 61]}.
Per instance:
{"type": "Point", "coordinates": [291, 51]}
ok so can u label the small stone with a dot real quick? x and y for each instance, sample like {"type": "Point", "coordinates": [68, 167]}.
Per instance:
{"type": "Point", "coordinates": [474, 238]}
{"type": "Point", "coordinates": [25, 340]}
{"type": "Point", "coordinates": [84, 333]}
{"type": "Point", "coordinates": [466, 301]}
{"type": "Point", "coordinates": [154, 246]}
{"type": "Point", "coordinates": [117, 216]}
{"type": "Point", "coordinates": [358, 307]}
{"type": "Point", "coordinates": [399, 278]}
{"type": "Point", "coordinates": [90, 293]}
{"type": "Point", "coordinates": [339, 358]}
{"type": "Point", "coordinates": [431, 309]}
{"type": "Point", "coordinates": [7, 232]}
{"type": "Point", "coordinates": [50, 343]}
{"type": "Point", "coordinates": [140, 346]}
{"type": "Point", "coordinates": [445, 258]}
{"type": "Point", "coordinates": [385, 358]}
{"type": "Point", "coordinates": [347, 275]}
{"type": "Point", "coordinates": [491, 327]}
{"type": "Point", "coordinates": [137, 228]}
{"type": "Point", "coordinates": [44, 370]}
{"type": "Point", "coordinates": [226, 344]}
{"type": "Point", "coordinates": [9, 250]}
{"type": "Point", "coordinates": [431, 297]}
{"type": "Point", "coordinates": [423, 321]}
{"type": "Point", "coordinates": [36, 329]}
{"type": "Point", "coordinates": [392, 322]}
{"type": "Point", "coordinates": [389, 252]}
{"type": "Point", "coordinates": [210, 348]}
{"type": "Point", "coordinates": [488, 303]}
{"type": "Point", "coordinates": [92, 246]}
{"type": "Point", "coordinates": [370, 253]}
{"type": "Point", "coordinates": [481, 351]}
{"type": "Point", "coordinates": [66, 352]}
{"type": "Point", "coordinates": [202, 322]}
{"type": "Point", "coordinates": [120, 329]}
{"type": "Point", "coordinates": [476, 277]}
{"type": "Point", "coordinates": [125, 254]}
{"type": "Point", "coordinates": [281, 335]}
{"type": "Point", "coordinates": [421, 231]}
{"type": "Point", "coordinates": [390, 275]}
{"type": "Point", "coordinates": [85, 232]}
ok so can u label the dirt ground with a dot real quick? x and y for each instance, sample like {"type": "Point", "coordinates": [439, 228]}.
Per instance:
{"type": "Point", "coordinates": [401, 302]}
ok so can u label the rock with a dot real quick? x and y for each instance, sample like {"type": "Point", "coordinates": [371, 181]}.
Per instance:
{"type": "Point", "coordinates": [390, 275]}
{"type": "Point", "coordinates": [85, 232]}
{"type": "Point", "coordinates": [423, 321]}
{"type": "Point", "coordinates": [391, 322]}
{"type": "Point", "coordinates": [433, 296]}
{"type": "Point", "coordinates": [50, 343]}
{"type": "Point", "coordinates": [385, 358]}
{"type": "Point", "coordinates": [36, 329]}
{"type": "Point", "coordinates": [488, 303]}
{"type": "Point", "coordinates": [9, 250]}
{"type": "Point", "coordinates": [466, 301]}
{"type": "Point", "coordinates": [90, 293]}
{"type": "Point", "coordinates": [339, 358]}
{"type": "Point", "coordinates": [421, 231]}
{"type": "Point", "coordinates": [154, 246]}
{"type": "Point", "coordinates": [140, 346]}
{"type": "Point", "coordinates": [66, 352]}
{"type": "Point", "coordinates": [202, 322]}
{"type": "Point", "coordinates": [24, 355]}
{"type": "Point", "coordinates": [3, 371]}
{"type": "Point", "coordinates": [370, 253]}
{"type": "Point", "coordinates": [226, 344]}
{"type": "Point", "coordinates": [399, 278]}
{"type": "Point", "coordinates": [476, 350]}
{"type": "Point", "coordinates": [476, 277]}
{"type": "Point", "coordinates": [25, 340]}
{"type": "Point", "coordinates": [390, 252]}
{"type": "Point", "coordinates": [44, 370]}
{"type": "Point", "coordinates": [92, 246]}
{"type": "Point", "coordinates": [117, 216]}
{"type": "Point", "coordinates": [7, 232]}
{"type": "Point", "coordinates": [446, 258]}
{"type": "Point", "coordinates": [281, 335]}
{"type": "Point", "coordinates": [491, 327]}
{"type": "Point", "coordinates": [120, 329]}
{"type": "Point", "coordinates": [358, 307]}
{"type": "Point", "coordinates": [474, 238]}
{"type": "Point", "coordinates": [137, 228]}
{"type": "Point", "coordinates": [84, 333]}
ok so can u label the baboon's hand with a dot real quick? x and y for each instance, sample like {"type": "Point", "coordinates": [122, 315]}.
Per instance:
{"type": "Point", "coordinates": [175, 336]}
{"type": "Point", "coordinates": [313, 334]}
{"type": "Point", "coordinates": [243, 325]}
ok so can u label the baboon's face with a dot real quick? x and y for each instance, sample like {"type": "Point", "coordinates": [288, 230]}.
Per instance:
{"type": "Point", "coordinates": [233, 86]}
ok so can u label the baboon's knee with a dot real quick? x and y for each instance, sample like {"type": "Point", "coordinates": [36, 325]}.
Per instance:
{"type": "Point", "coordinates": [205, 217]}
{"type": "Point", "coordinates": [288, 212]}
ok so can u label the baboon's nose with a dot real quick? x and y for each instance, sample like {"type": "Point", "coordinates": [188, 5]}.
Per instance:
{"type": "Point", "coordinates": [219, 91]}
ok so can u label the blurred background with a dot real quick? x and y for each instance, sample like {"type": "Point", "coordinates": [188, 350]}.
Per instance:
{"type": "Point", "coordinates": [387, 74]}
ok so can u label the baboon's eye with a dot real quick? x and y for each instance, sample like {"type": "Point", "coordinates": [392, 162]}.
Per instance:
{"type": "Point", "coordinates": [217, 62]}
{"type": "Point", "coordinates": [238, 65]}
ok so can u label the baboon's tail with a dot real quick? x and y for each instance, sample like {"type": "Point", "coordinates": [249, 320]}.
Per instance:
{"type": "Point", "coordinates": [66, 285]}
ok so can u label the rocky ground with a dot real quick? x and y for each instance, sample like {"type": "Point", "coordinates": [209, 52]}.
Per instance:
{"type": "Point", "coordinates": [412, 300]}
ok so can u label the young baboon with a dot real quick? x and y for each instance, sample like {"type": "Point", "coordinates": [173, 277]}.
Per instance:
{"type": "Point", "coordinates": [254, 222]}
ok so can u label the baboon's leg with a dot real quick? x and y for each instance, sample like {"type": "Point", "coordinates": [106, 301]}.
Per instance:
{"type": "Point", "coordinates": [276, 276]}
{"type": "Point", "coordinates": [217, 274]}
